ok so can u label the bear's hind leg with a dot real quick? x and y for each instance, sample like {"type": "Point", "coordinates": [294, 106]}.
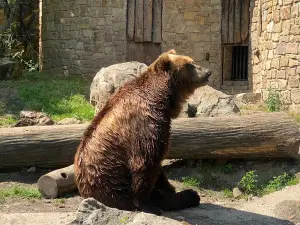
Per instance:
{"type": "Point", "coordinates": [164, 195]}
{"type": "Point", "coordinates": [142, 183]}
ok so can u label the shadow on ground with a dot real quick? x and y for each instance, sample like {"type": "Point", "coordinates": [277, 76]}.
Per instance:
{"type": "Point", "coordinates": [209, 214]}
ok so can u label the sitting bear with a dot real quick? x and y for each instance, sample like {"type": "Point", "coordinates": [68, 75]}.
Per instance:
{"type": "Point", "coordinates": [118, 161]}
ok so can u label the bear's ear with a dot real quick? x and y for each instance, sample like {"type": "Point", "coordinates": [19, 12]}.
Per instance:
{"type": "Point", "coordinates": [172, 51]}
{"type": "Point", "coordinates": [163, 63]}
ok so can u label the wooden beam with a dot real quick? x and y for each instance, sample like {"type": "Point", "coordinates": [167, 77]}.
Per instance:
{"type": "Point", "coordinates": [148, 6]}
{"type": "Point", "coordinates": [157, 21]}
{"type": "Point", "coordinates": [130, 19]}
{"type": "Point", "coordinates": [139, 18]}
{"type": "Point", "coordinates": [231, 21]}
{"type": "Point", "coordinates": [237, 24]}
{"type": "Point", "coordinates": [225, 22]}
{"type": "Point", "coordinates": [260, 135]}
{"type": "Point", "coordinates": [245, 20]}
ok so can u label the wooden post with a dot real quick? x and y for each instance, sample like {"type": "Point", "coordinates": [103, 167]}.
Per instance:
{"type": "Point", "coordinates": [130, 19]}
{"type": "Point", "coordinates": [148, 20]}
{"type": "Point", "coordinates": [157, 21]}
{"type": "Point", "coordinates": [237, 24]}
{"type": "Point", "coordinates": [139, 21]}
{"type": "Point", "coordinates": [245, 20]}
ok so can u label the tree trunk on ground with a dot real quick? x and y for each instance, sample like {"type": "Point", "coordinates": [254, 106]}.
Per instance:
{"type": "Point", "coordinates": [256, 136]}
{"type": "Point", "coordinates": [57, 183]}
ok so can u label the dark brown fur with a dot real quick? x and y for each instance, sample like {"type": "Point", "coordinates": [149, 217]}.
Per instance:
{"type": "Point", "coordinates": [118, 159]}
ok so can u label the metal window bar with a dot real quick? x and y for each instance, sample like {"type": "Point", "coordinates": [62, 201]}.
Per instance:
{"type": "Point", "coordinates": [239, 63]}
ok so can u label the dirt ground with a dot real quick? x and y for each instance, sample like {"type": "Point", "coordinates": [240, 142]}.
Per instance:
{"type": "Point", "coordinates": [214, 181]}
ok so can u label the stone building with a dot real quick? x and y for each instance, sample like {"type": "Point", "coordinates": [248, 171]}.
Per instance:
{"type": "Point", "coordinates": [251, 45]}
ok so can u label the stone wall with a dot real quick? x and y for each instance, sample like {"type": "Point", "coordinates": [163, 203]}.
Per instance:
{"type": "Point", "coordinates": [193, 27]}
{"type": "Point", "coordinates": [276, 50]}
{"type": "Point", "coordinates": [82, 36]}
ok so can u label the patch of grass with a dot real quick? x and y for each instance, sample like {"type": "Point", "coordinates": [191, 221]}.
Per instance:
{"type": "Point", "coordinates": [228, 193]}
{"type": "Point", "coordinates": [124, 219]}
{"type": "Point", "coordinates": [191, 181]}
{"type": "Point", "coordinates": [227, 168]}
{"type": "Point", "coordinates": [296, 117]}
{"type": "Point", "coordinates": [249, 183]}
{"type": "Point", "coordinates": [59, 96]}
{"type": "Point", "coordinates": [273, 101]}
{"type": "Point", "coordinates": [7, 120]}
{"type": "Point", "coordinates": [59, 201]}
{"type": "Point", "coordinates": [279, 182]}
{"type": "Point", "coordinates": [19, 191]}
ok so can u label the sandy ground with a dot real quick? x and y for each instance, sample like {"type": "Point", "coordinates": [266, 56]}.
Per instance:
{"type": "Point", "coordinates": [279, 208]}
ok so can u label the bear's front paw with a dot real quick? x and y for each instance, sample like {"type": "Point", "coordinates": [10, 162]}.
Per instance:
{"type": "Point", "coordinates": [189, 198]}
{"type": "Point", "coordinates": [151, 209]}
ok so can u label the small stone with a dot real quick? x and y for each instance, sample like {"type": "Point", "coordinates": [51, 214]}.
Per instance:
{"type": "Point", "coordinates": [249, 163]}
{"type": "Point", "coordinates": [250, 197]}
{"type": "Point", "coordinates": [180, 218]}
{"type": "Point", "coordinates": [68, 121]}
{"type": "Point", "coordinates": [31, 169]}
{"type": "Point", "coordinates": [236, 192]}
{"type": "Point", "coordinates": [293, 170]}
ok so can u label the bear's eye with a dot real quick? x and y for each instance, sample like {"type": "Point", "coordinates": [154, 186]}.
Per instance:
{"type": "Point", "coordinates": [190, 66]}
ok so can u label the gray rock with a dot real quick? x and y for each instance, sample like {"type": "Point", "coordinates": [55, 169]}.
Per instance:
{"type": "Point", "coordinates": [10, 68]}
{"type": "Point", "coordinates": [206, 101]}
{"type": "Point", "coordinates": [31, 169]}
{"type": "Point", "coordinates": [92, 212]}
{"type": "Point", "coordinates": [236, 192]}
{"type": "Point", "coordinates": [68, 121]}
{"type": "Point", "coordinates": [32, 118]}
{"type": "Point", "coordinates": [248, 98]}
{"type": "Point", "coordinates": [109, 79]}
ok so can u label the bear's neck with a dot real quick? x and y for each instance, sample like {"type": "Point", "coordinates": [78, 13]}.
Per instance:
{"type": "Point", "coordinates": [162, 93]}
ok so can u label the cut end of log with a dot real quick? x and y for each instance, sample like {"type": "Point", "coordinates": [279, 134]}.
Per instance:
{"type": "Point", "coordinates": [48, 186]}
{"type": "Point", "coordinates": [58, 182]}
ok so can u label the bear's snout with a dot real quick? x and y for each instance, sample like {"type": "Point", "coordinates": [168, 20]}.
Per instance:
{"type": "Point", "coordinates": [207, 73]}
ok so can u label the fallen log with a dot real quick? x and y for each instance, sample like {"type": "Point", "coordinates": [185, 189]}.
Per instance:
{"type": "Point", "coordinates": [57, 182]}
{"type": "Point", "coordinates": [256, 136]}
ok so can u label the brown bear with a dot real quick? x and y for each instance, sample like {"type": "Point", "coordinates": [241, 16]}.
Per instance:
{"type": "Point", "coordinates": [118, 161]}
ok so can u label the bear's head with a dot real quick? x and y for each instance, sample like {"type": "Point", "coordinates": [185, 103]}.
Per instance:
{"type": "Point", "coordinates": [185, 76]}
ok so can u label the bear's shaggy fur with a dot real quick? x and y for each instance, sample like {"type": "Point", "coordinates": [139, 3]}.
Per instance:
{"type": "Point", "coordinates": [118, 161]}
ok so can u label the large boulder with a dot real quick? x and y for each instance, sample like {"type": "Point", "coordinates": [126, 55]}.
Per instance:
{"type": "Point", "coordinates": [32, 118]}
{"type": "Point", "coordinates": [10, 69]}
{"type": "Point", "coordinates": [92, 212]}
{"type": "Point", "coordinates": [109, 79]}
{"type": "Point", "coordinates": [206, 101]}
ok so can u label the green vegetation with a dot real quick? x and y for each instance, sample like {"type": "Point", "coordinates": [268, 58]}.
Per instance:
{"type": "Point", "coordinates": [273, 101]}
{"type": "Point", "coordinates": [191, 181]}
{"type": "Point", "coordinates": [58, 96]}
{"type": "Point", "coordinates": [59, 201]}
{"type": "Point", "coordinates": [124, 219]}
{"type": "Point", "coordinates": [19, 191]}
{"type": "Point", "coordinates": [227, 193]}
{"type": "Point", "coordinates": [279, 182]}
{"type": "Point", "coordinates": [249, 183]}
{"type": "Point", "coordinates": [227, 168]}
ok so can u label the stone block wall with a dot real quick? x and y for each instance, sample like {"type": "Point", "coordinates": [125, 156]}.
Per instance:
{"type": "Point", "coordinates": [193, 27]}
{"type": "Point", "coordinates": [82, 36]}
{"type": "Point", "coordinates": [276, 49]}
